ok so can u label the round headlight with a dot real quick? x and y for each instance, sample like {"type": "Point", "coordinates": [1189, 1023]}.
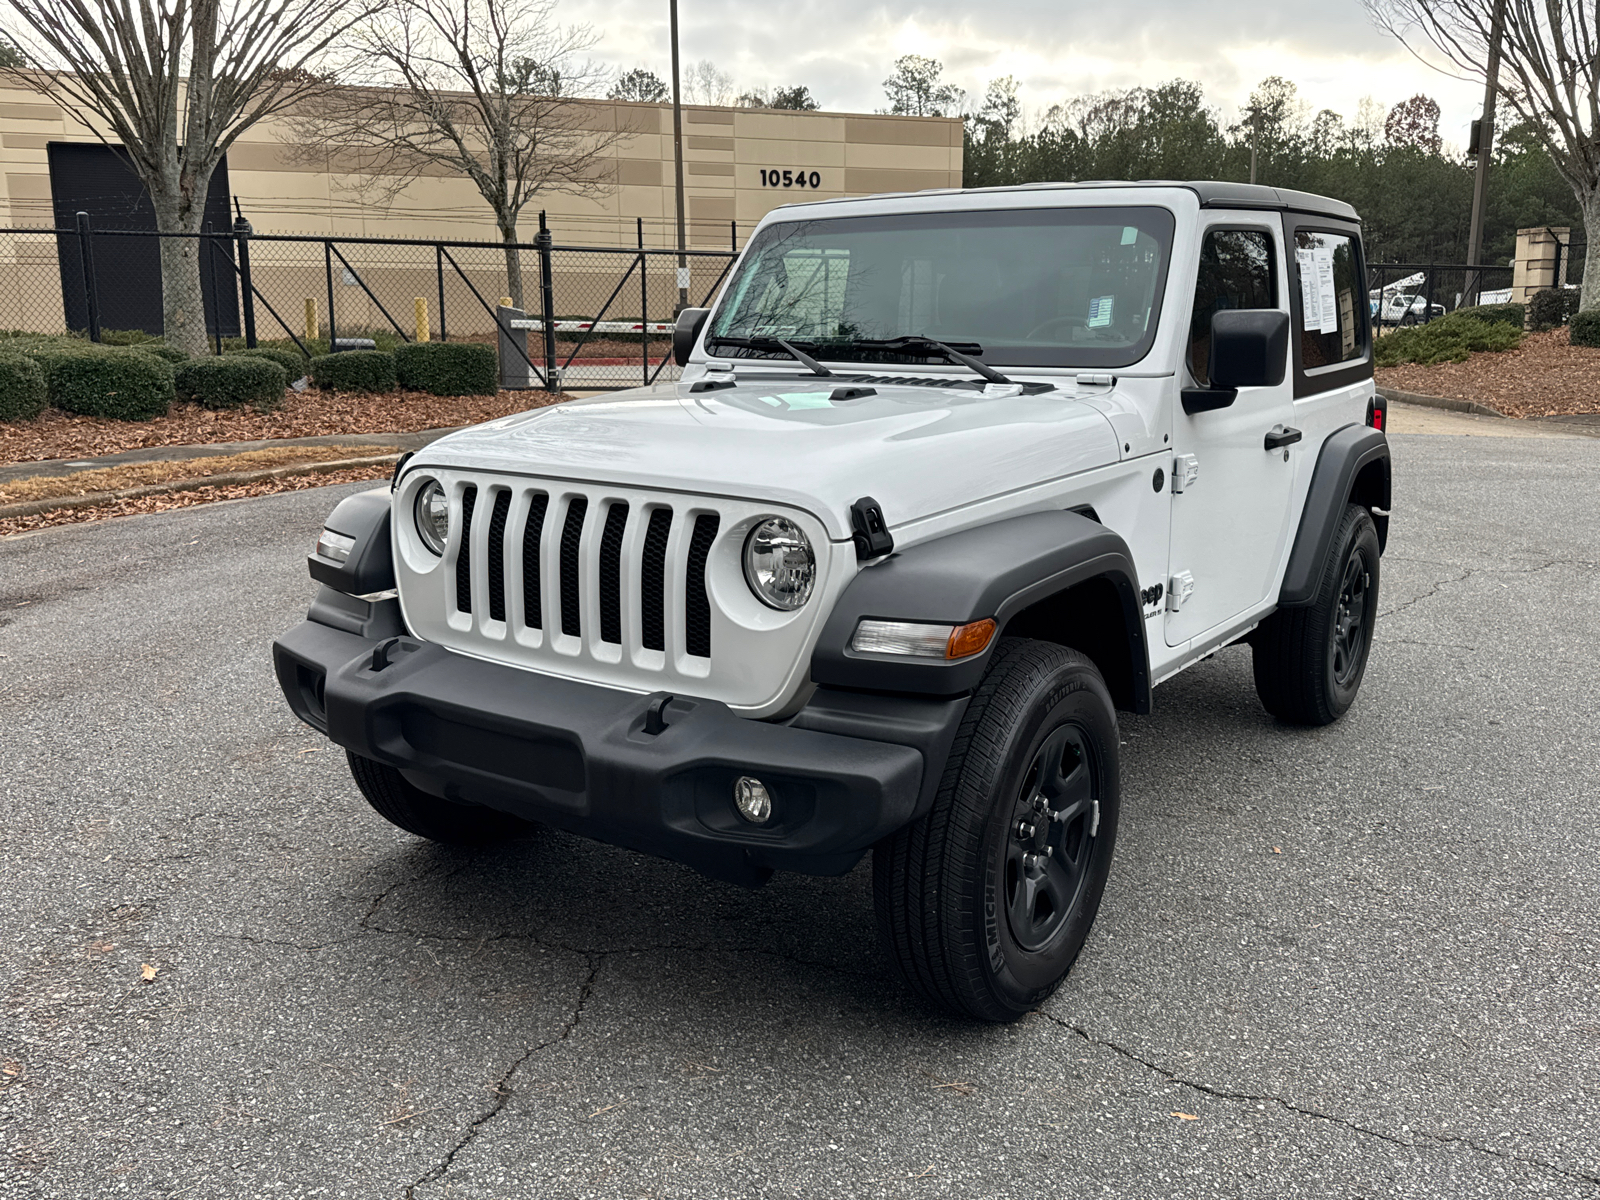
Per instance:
{"type": "Point", "coordinates": [779, 565]}
{"type": "Point", "coordinates": [433, 516]}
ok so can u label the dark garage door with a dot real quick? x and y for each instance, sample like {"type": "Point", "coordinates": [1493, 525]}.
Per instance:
{"type": "Point", "coordinates": [98, 180]}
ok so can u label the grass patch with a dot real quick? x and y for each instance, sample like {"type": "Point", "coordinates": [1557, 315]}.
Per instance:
{"type": "Point", "coordinates": [132, 475]}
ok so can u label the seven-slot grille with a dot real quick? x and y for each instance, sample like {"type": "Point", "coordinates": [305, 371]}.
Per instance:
{"type": "Point", "coordinates": [586, 541]}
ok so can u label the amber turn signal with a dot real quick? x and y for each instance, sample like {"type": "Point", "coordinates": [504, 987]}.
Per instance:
{"type": "Point", "coordinates": [967, 640]}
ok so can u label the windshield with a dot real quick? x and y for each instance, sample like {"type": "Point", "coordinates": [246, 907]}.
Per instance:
{"type": "Point", "coordinates": [1041, 287]}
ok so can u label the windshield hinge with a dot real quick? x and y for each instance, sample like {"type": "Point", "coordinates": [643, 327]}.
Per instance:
{"type": "Point", "coordinates": [870, 532]}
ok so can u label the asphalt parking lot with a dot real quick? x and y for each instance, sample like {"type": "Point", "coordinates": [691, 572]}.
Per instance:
{"type": "Point", "coordinates": [1361, 961]}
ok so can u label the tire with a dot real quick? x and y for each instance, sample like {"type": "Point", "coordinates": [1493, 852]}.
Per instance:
{"type": "Point", "coordinates": [427, 816]}
{"type": "Point", "coordinates": [1309, 662]}
{"type": "Point", "coordinates": [982, 906]}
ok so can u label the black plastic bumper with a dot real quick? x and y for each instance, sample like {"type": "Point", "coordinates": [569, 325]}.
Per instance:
{"type": "Point", "coordinates": [845, 771]}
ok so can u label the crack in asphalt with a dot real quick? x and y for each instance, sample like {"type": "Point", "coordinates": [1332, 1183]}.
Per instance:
{"type": "Point", "coordinates": [502, 1088]}
{"type": "Point", "coordinates": [1297, 1110]}
{"type": "Point", "coordinates": [1440, 584]}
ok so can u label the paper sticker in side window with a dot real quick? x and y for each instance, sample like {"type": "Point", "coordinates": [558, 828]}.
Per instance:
{"type": "Point", "coordinates": [1326, 302]}
{"type": "Point", "coordinates": [1310, 293]}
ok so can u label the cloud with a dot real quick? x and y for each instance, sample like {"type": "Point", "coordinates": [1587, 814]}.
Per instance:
{"type": "Point", "coordinates": [843, 50]}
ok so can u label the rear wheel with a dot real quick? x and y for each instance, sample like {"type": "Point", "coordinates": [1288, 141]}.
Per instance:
{"type": "Point", "coordinates": [1309, 661]}
{"type": "Point", "coordinates": [984, 903]}
{"type": "Point", "coordinates": [429, 816]}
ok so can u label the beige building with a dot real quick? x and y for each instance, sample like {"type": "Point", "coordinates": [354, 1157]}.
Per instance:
{"type": "Point", "coordinates": [739, 164]}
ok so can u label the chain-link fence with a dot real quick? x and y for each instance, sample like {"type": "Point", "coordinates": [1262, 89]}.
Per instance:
{"type": "Point", "coordinates": [599, 316]}
{"type": "Point", "coordinates": [1404, 294]}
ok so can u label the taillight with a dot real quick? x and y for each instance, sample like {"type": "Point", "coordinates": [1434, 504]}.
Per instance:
{"type": "Point", "coordinates": [1378, 413]}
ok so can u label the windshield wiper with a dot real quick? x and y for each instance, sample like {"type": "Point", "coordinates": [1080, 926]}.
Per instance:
{"type": "Point", "coordinates": [760, 343]}
{"type": "Point", "coordinates": [951, 354]}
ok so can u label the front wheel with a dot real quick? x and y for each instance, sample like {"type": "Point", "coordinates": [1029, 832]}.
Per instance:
{"type": "Point", "coordinates": [985, 902]}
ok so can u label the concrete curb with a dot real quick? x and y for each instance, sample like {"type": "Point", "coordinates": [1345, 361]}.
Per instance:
{"type": "Point", "coordinates": [28, 508]}
{"type": "Point", "coordinates": [1396, 396]}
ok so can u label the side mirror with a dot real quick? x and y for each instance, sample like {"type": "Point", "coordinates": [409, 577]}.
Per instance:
{"type": "Point", "coordinates": [1249, 348]}
{"type": "Point", "coordinates": [687, 332]}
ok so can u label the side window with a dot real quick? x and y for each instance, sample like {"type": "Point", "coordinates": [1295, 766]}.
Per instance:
{"type": "Point", "coordinates": [1235, 272]}
{"type": "Point", "coordinates": [1331, 327]}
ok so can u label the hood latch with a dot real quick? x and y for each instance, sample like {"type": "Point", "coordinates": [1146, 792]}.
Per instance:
{"type": "Point", "coordinates": [870, 531]}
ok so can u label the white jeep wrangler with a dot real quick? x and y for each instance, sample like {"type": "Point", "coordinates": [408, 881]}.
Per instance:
{"type": "Point", "coordinates": [948, 480]}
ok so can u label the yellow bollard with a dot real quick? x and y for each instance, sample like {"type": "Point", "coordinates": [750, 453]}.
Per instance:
{"type": "Point", "coordinates": [313, 330]}
{"type": "Point", "coordinates": [422, 318]}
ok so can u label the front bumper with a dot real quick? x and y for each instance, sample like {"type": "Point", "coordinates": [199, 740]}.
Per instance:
{"type": "Point", "coordinates": [844, 772]}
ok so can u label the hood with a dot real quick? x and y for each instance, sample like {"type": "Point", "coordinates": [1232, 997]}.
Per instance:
{"type": "Point", "coordinates": [918, 450]}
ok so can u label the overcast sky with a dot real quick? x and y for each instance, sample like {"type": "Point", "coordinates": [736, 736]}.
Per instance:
{"type": "Point", "coordinates": [843, 49]}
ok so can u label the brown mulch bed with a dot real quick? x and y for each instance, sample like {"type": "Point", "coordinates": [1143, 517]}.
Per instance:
{"type": "Point", "coordinates": [311, 413]}
{"type": "Point", "coordinates": [1546, 376]}
{"type": "Point", "coordinates": [203, 495]}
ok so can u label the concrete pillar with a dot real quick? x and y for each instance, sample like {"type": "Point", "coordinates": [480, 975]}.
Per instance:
{"type": "Point", "coordinates": [1541, 260]}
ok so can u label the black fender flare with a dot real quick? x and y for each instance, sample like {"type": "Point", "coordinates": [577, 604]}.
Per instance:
{"type": "Point", "coordinates": [1352, 453]}
{"type": "Point", "coordinates": [999, 570]}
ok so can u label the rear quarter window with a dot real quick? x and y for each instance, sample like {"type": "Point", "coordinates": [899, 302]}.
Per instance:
{"type": "Point", "coordinates": [1332, 300]}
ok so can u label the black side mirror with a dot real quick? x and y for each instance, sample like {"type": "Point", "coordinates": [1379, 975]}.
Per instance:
{"type": "Point", "coordinates": [1249, 348]}
{"type": "Point", "coordinates": [687, 332]}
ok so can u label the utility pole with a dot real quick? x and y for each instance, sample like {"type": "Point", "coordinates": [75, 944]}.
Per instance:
{"type": "Point", "coordinates": [677, 164]}
{"type": "Point", "coordinates": [1485, 147]}
{"type": "Point", "coordinates": [1255, 136]}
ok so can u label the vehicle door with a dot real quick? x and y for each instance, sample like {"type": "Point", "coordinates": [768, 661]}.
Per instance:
{"type": "Point", "coordinates": [1233, 471]}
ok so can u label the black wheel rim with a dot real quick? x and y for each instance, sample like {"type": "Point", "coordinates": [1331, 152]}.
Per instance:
{"type": "Point", "coordinates": [1051, 839]}
{"type": "Point", "coordinates": [1350, 620]}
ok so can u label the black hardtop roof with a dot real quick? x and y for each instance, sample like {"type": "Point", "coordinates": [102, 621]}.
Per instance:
{"type": "Point", "coordinates": [1212, 193]}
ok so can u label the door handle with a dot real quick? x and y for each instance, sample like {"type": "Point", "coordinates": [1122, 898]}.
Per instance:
{"type": "Point", "coordinates": [1280, 436]}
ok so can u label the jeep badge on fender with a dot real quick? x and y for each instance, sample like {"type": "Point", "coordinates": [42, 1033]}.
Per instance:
{"type": "Point", "coordinates": [949, 480]}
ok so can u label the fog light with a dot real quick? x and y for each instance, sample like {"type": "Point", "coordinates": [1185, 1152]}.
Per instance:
{"type": "Point", "coordinates": [335, 546]}
{"type": "Point", "coordinates": [751, 798]}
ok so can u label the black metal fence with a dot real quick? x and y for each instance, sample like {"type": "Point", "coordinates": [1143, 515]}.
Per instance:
{"type": "Point", "coordinates": [1403, 294]}
{"type": "Point", "coordinates": [602, 315]}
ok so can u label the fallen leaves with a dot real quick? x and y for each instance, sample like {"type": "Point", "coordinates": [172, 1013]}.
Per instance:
{"type": "Point", "coordinates": [311, 413]}
{"type": "Point", "coordinates": [1545, 376]}
{"type": "Point", "coordinates": [1183, 1116]}
{"type": "Point", "coordinates": [130, 475]}
{"type": "Point", "coordinates": [188, 499]}
{"type": "Point", "coordinates": [148, 973]}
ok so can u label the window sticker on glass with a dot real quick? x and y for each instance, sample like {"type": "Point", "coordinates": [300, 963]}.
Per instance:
{"type": "Point", "coordinates": [1099, 312]}
{"type": "Point", "coordinates": [1329, 304]}
{"type": "Point", "coordinates": [1130, 235]}
{"type": "Point", "coordinates": [1310, 293]}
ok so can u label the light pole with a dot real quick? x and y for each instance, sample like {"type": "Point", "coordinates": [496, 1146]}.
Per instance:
{"type": "Point", "coordinates": [1480, 183]}
{"type": "Point", "coordinates": [677, 165]}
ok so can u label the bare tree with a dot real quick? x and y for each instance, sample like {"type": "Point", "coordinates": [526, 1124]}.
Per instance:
{"type": "Point", "coordinates": [174, 83]}
{"type": "Point", "coordinates": [490, 89]}
{"type": "Point", "coordinates": [1549, 74]}
{"type": "Point", "coordinates": [705, 83]}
